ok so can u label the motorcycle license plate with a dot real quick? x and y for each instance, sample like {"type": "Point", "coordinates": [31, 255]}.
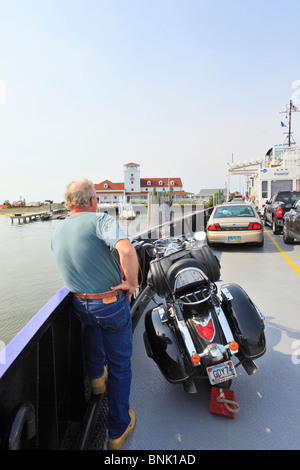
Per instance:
{"type": "Point", "coordinates": [234, 239]}
{"type": "Point", "coordinates": [221, 372]}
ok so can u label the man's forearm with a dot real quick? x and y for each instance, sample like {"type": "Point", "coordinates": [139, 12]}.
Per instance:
{"type": "Point", "coordinates": [129, 262]}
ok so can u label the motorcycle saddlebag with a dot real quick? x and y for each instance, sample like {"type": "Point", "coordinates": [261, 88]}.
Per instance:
{"type": "Point", "coordinates": [162, 347]}
{"type": "Point", "coordinates": [245, 321]}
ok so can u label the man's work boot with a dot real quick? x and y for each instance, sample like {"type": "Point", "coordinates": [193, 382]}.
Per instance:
{"type": "Point", "coordinates": [116, 444]}
{"type": "Point", "coordinates": [99, 385]}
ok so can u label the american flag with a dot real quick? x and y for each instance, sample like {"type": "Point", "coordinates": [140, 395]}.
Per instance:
{"type": "Point", "coordinates": [294, 108]}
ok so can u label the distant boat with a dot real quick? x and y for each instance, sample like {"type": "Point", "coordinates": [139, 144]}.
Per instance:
{"type": "Point", "coordinates": [46, 216]}
{"type": "Point", "coordinates": [60, 214]}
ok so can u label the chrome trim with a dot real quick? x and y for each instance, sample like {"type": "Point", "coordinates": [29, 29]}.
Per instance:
{"type": "Point", "coordinates": [225, 326]}
{"type": "Point", "coordinates": [196, 301]}
{"type": "Point", "coordinates": [260, 314]}
{"type": "Point", "coordinates": [183, 278]}
{"type": "Point", "coordinates": [184, 331]}
{"type": "Point", "coordinates": [215, 351]}
{"type": "Point", "coordinates": [226, 293]}
{"type": "Point", "coordinates": [162, 314]}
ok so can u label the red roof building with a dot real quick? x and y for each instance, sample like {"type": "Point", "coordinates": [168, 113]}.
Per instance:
{"type": "Point", "coordinates": [134, 188]}
{"type": "Point", "coordinates": [174, 183]}
{"type": "Point", "coordinates": [109, 186]}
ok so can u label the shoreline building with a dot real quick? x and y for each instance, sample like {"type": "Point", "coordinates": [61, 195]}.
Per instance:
{"type": "Point", "coordinates": [205, 195]}
{"type": "Point", "coordinates": [135, 189]}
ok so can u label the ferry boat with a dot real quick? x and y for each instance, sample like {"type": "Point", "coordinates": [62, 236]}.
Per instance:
{"type": "Point", "coordinates": [278, 171]}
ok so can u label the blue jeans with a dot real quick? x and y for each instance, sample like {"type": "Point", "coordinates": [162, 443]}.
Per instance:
{"type": "Point", "coordinates": [108, 336]}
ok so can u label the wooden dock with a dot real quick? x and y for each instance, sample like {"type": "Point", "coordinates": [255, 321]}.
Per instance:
{"type": "Point", "coordinates": [29, 217]}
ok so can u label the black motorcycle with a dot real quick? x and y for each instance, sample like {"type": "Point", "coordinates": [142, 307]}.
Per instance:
{"type": "Point", "coordinates": [193, 332]}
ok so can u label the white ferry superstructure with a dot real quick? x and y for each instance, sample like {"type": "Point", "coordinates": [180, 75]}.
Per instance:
{"type": "Point", "coordinates": [281, 172]}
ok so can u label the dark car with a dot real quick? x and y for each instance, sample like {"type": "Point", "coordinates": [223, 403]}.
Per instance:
{"type": "Point", "coordinates": [291, 224]}
{"type": "Point", "coordinates": [277, 206]}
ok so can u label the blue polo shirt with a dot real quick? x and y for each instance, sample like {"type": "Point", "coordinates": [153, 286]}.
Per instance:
{"type": "Point", "coordinates": [82, 245]}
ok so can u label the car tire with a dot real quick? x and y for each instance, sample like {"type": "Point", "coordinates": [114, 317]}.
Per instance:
{"type": "Point", "coordinates": [287, 240]}
{"type": "Point", "coordinates": [276, 229]}
{"type": "Point", "coordinates": [260, 244]}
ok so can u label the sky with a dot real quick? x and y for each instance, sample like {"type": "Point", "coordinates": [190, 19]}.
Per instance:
{"type": "Point", "coordinates": [181, 87]}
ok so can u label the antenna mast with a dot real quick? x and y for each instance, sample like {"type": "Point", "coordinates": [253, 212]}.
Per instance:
{"type": "Point", "coordinates": [289, 111]}
{"type": "Point", "coordinates": [290, 123]}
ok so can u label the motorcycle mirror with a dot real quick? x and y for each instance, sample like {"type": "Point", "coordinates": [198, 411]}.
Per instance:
{"type": "Point", "coordinates": [151, 250]}
{"type": "Point", "coordinates": [200, 236]}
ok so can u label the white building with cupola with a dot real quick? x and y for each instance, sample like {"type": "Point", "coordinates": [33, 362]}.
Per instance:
{"type": "Point", "coordinates": [135, 189]}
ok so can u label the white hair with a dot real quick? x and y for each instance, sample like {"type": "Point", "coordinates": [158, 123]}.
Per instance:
{"type": "Point", "coordinates": [79, 193]}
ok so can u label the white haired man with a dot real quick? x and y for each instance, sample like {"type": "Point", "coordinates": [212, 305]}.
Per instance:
{"type": "Point", "coordinates": [83, 246]}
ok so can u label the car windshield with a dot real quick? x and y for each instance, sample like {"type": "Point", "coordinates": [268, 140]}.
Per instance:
{"type": "Point", "coordinates": [233, 211]}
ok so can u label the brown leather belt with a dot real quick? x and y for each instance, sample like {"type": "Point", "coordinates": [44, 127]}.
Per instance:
{"type": "Point", "coordinates": [104, 295]}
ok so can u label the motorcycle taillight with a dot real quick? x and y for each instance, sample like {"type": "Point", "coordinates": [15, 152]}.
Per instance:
{"type": "Point", "coordinates": [207, 331]}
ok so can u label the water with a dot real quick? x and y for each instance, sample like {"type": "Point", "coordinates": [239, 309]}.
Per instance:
{"type": "Point", "coordinates": [29, 276]}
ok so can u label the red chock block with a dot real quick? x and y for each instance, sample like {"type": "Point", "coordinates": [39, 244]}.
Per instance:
{"type": "Point", "coordinates": [223, 403]}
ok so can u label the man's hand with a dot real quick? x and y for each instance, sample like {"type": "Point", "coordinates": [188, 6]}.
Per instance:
{"type": "Point", "coordinates": [126, 287]}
